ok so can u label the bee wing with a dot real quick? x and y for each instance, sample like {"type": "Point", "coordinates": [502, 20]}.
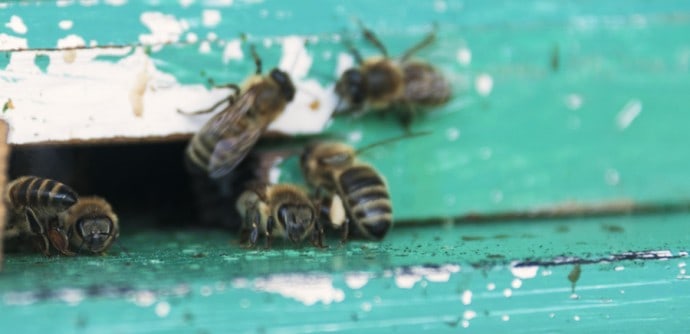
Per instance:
{"type": "Point", "coordinates": [235, 136]}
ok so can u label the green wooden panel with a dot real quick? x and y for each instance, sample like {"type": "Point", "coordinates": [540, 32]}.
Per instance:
{"type": "Point", "coordinates": [609, 124]}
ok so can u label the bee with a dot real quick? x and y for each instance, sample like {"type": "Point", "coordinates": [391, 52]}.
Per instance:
{"type": "Point", "coordinates": [224, 141]}
{"type": "Point", "coordinates": [358, 192]}
{"type": "Point", "coordinates": [91, 224]}
{"type": "Point", "coordinates": [35, 204]}
{"type": "Point", "coordinates": [383, 83]}
{"type": "Point", "coordinates": [281, 209]}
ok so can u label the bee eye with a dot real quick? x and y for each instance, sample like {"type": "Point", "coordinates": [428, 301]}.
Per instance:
{"type": "Point", "coordinates": [355, 85]}
{"type": "Point", "coordinates": [284, 82]}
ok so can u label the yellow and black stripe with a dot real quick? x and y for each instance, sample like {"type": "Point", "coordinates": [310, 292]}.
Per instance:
{"type": "Point", "coordinates": [40, 193]}
{"type": "Point", "coordinates": [368, 200]}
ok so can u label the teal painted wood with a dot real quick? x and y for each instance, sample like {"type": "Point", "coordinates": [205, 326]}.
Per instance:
{"type": "Point", "coordinates": [440, 279]}
{"type": "Point", "coordinates": [540, 137]}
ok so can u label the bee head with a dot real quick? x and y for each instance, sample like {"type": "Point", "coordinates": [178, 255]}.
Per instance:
{"type": "Point", "coordinates": [96, 232]}
{"type": "Point", "coordinates": [287, 88]}
{"type": "Point", "coordinates": [320, 158]}
{"type": "Point", "coordinates": [92, 224]}
{"type": "Point", "coordinates": [352, 87]}
{"type": "Point", "coordinates": [297, 219]}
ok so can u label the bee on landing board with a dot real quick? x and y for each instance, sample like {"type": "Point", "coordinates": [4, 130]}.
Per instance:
{"type": "Point", "coordinates": [92, 225]}
{"type": "Point", "coordinates": [278, 210]}
{"type": "Point", "coordinates": [358, 192]}
{"type": "Point", "coordinates": [386, 84]}
{"type": "Point", "coordinates": [224, 141]}
{"type": "Point", "coordinates": [34, 204]}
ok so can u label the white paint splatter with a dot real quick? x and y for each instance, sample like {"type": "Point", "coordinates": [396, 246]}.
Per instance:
{"type": "Point", "coordinates": [469, 315]}
{"type": "Point", "coordinates": [354, 136]}
{"type": "Point", "coordinates": [162, 309]}
{"type": "Point", "coordinates": [576, 318]}
{"type": "Point", "coordinates": [115, 3]}
{"type": "Point", "coordinates": [573, 101]}
{"type": "Point", "coordinates": [407, 277]}
{"type": "Point", "coordinates": [191, 37]}
{"type": "Point", "coordinates": [65, 24]}
{"type": "Point", "coordinates": [524, 272]}
{"type": "Point", "coordinates": [507, 293]}
{"type": "Point", "coordinates": [612, 177]}
{"type": "Point", "coordinates": [483, 84]}
{"type": "Point", "coordinates": [211, 36]}
{"type": "Point", "coordinates": [164, 28]}
{"type": "Point", "coordinates": [345, 62]}
{"type": "Point", "coordinates": [452, 134]}
{"type": "Point", "coordinates": [295, 59]}
{"type": "Point", "coordinates": [619, 268]}
{"type": "Point", "coordinates": [516, 283]}
{"type": "Point", "coordinates": [71, 296]}
{"type": "Point", "coordinates": [17, 25]}
{"type": "Point", "coordinates": [356, 280]}
{"type": "Point", "coordinates": [144, 298]}
{"type": "Point", "coordinates": [186, 3]}
{"type": "Point", "coordinates": [64, 3]}
{"type": "Point", "coordinates": [440, 6]}
{"type": "Point", "coordinates": [233, 51]}
{"type": "Point", "coordinates": [8, 42]}
{"type": "Point", "coordinates": [71, 41]}
{"type": "Point", "coordinates": [464, 56]}
{"type": "Point", "coordinates": [204, 47]}
{"type": "Point", "coordinates": [274, 171]}
{"type": "Point", "coordinates": [210, 18]}
{"type": "Point", "coordinates": [466, 297]}
{"type": "Point", "coordinates": [505, 317]}
{"type": "Point", "coordinates": [627, 115]}
{"type": "Point", "coordinates": [366, 307]}
{"type": "Point", "coordinates": [307, 289]}
{"type": "Point", "coordinates": [491, 287]}
{"type": "Point", "coordinates": [219, 3]}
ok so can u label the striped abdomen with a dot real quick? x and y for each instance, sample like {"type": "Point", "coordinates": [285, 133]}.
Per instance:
{"type": "Point", "coordinates": [41, 194]}
{"type": "Point", "coordinates": [366, 196]}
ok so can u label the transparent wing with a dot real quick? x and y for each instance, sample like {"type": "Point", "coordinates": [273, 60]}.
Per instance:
{"type": "Point", "coordinates": [232, 135]}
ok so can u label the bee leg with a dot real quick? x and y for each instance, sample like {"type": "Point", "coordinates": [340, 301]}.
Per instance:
{"type": "Point", "coordinates": [60, 241]}
{"type": "Point", "coordinates": [317, 235]}
{"type": "Point", "coordinates": [40, 239]}
{"type": "Point", "coordinates": [371, 38]}
{"type": "Point", "coordinates": [428, 39]}
{"type": "Point", "coordinates": [406, 115]}
{"type": "Point", "coordinates": [346, 231]}
{"type": "Point", "coordinates": [230, 99]}
{"type": "Point", "coordinates": [251, 227]}
{"type": "Point", "coordinates": [270, 223]}
{"type": "Point", "coordinates": [253, 235]}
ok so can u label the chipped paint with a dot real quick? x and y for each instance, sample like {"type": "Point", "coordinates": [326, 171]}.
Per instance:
{"type": "Point", "coordinates": [523, 272]}
{"type": "Point", "coordinates": [17, 25]}
{"type": "Point", "coordinates": [628, 114]}
{"type": "Point", "coordinates": [307, 289]}
{"type": "Point", "coordinates": [407, 277]}
{"type": "Point", "coordinates": [82, 97]}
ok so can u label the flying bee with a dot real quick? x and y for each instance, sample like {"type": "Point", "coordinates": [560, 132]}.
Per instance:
{"type": "Point", "coordinates": [224, 141]}
{"type": "Point", "coordinates": [92, 225]}
{"type": "Point", "coordinates": [35, 204]}
{"type": "Point", "coordinates": [358, 192]}
{"type": "Point", "coordinates": [282, 209]}
{"type": "Point", "coordinates": [386, 84]}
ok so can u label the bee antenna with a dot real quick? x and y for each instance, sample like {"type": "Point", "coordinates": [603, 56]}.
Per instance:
{"type": "Point", "coordinates": [392, 140]}
{"type": "Point", "coordinates": [257, 59]}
